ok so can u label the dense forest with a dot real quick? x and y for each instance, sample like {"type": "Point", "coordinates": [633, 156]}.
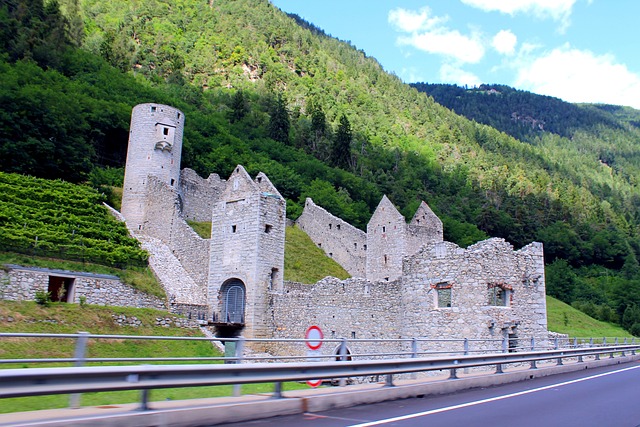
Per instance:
{"type": "Point", "coordinates": [321, 119]}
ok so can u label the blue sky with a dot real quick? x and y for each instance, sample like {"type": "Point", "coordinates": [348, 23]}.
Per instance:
{"type": "Point", "coordinates": [576, 50]}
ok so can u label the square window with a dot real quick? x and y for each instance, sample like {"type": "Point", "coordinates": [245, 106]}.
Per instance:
{"type": "Point", "coordinates": [267, 228]}
{"type": "Point", "coordinates": [498, 296]}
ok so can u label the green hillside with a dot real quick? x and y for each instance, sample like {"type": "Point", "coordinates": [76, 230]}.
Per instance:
{"type": "Point", "coordinates": [565, 319]}
{"type": "Point", "coordinates": [322, 120]}
{"type": "Point", "coordinates": [306, 263]}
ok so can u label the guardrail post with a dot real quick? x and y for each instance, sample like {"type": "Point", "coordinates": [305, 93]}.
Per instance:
{"type": "Point", "coordinates": [533, 348]}
{"type": "Point", "coordinates": [237, 388]}
{"type": "Point", "coordinates": [414, 354]}
{"type": "Point", "coordinates": [79, 354]}
{"type": "Point", "coordinates": [633, 342]}
{"type": "Point", "coordinates": [343, 357]}
{"type": "Point", "coordinates": [505, 346]}
{"type": "Point", "coordinates": [144, 399]}
{"type": "Point", "coordinates": [277, 391]}
{"type": "Point", "coordinates": [466, 353]}
{"type": "Point", "coordinates": [389, 381]}
{"type": "Point", "coordinates": [615, 342]}
{"type": "Point", "coordinates": [575, 345]}
{"type": "Point", "coordinates": [452, 374]}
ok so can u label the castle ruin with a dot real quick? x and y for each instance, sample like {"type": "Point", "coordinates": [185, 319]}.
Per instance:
{"type": "Point", "coordinates": [407, 281]}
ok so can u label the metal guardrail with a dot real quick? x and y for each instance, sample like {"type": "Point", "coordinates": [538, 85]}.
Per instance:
{"type": "Point", "coordinates": [413, 347]}
{"type": "Point", "coordinates": [46, 381]}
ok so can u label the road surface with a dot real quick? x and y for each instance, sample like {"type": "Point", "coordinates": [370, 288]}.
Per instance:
{"type": "Point", "coordinates": [598, 397]}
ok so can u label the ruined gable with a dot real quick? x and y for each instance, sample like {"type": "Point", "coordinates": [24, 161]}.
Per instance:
{"type": "Point", "coordinates": [346, 244]}
{"type": "Point", "coordinates": [386, 237]}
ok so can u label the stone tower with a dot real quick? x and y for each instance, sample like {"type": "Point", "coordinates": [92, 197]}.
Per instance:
{"type": "Point", "coordinates": [247, 254]}
{"type": "Point", "coordinates": [155, 146]}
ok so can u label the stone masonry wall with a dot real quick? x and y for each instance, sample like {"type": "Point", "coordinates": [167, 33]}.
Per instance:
{"type": "Point", "coordinates": [164, 222]}
{"type": "Point", "coordinates": [470, 273]}
{"type": "Point", "coordinates": [22, 283]}
{"type": "Point", "coordinates": [354, 308]}
{"type": "Point", "coordinates": [340, 240]}
{"type": "Point", "coordinates": [198, 194]}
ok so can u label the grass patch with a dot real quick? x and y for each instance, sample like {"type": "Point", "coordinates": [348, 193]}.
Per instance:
{"type": "Point", "coordinates": [565, 319]}
{"type": "Point", "coordinates": [202, 228]}
{"type": "Point", "coordinates": [27, 316]}
{"type": "Point", "coordinates": [306, 263]}
{"type": "Point", "coordinates": [141, 278]}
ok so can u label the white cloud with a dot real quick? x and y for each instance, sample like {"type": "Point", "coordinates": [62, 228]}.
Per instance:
{"type": "Point", "coordinates": [580, 76]}
{"type": "Point", "coordinates": [558, 10]}
{"type": "Point", "coordinates": [504, 42]}
{"type": "Point", "coordinates": [450, 73]}
{"type": "Point", "coordinates": [409, 21]}
{"type": "Point", "coordinates": [447, 43]}
{"type": "Point", "coordinates": [428, 33]}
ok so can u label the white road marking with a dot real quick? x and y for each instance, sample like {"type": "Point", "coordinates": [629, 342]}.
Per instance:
{"type": "Point", "coordinates": [492, 399]}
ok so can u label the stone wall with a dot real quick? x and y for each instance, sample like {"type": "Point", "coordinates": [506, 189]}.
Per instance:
{"type": "Point", "coordinates": [198, 195]}
{"type": "Point", "coordinates": [21, 283]}
{"type": "Point", "coordinates": [470, 275]}
{"type": "Point", "coordinates": [164, 221]}
{"type": "Point", "coordinates": [341, 241]}
{"type": "Point", "coordinates": [409, 307]}
{"type": "Point", "coordinates": [353, 308]}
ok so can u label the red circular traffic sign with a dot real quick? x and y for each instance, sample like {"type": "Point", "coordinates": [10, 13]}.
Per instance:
{"type": "Point", "coordinates": [314, 383]}
{"type": "Point", "coordinates": [314, 335]}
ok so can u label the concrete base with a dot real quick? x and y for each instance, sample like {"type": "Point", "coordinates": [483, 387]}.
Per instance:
{"type": "Point", "coordinates": [208, 412]}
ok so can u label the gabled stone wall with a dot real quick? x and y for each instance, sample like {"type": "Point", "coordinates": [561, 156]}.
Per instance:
{"type": "Point", "coordinates": [341, 241]}
{"type": "Point", "coordinates": [386, 242]}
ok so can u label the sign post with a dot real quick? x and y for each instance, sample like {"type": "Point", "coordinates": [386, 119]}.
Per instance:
{"type": "Point", "coordinates": [314, 336]}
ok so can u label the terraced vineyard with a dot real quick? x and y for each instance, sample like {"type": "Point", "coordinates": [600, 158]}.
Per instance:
{"type": "Point", "coordinates": [61, 220]}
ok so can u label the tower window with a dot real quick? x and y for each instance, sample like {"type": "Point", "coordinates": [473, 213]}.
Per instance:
{"type": "Point", "coordinates": [165, 131]}
{"type": "Point", "coordinates": [338, 226]}
{"type": "Point", "coordinates": [384, 229]}
{"type": "Point", "coordinates": [173, 181]}
{"type": "Point", "coordinates": [153, 109]}
{"type": "Point", "coordinates": [267, 228]}
{"type": "Point", "coordinates": [234, 228]}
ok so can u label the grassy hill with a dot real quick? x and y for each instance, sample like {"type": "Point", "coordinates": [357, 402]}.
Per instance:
{"type": "Point", "coordinates": [565, 319]}
{"type": "Point", "coordinates": [322, 119]}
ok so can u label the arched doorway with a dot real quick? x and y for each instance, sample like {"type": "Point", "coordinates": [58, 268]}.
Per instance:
{"type": "Point", "coordinates": [233, 301]}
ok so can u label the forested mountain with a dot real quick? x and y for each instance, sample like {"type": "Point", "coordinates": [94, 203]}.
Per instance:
{"type": "Point", "coordinates": [321, 119]}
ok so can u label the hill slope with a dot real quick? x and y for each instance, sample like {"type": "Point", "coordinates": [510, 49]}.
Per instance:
{"type": "Point", "coordinates": [321, 118]}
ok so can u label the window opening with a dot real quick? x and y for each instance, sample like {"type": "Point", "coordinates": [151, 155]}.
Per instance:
{"type": "Point", "coordinates": [233, 228]}
{"type": "Point", "coordinates": [267, 228]}
{"type": "Point", "coordinates": [153, 109]}
{"type": "Point", "coordinates": [165, 131]}
{"type": "Point", "coordinates": [443, 292]}
{"type": "Point", "coordinates": [338, 226]}
{"type": "Point", "coordinates": [499, 294]}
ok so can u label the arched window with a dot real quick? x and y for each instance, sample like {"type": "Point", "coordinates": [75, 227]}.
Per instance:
{"type": "Point", "coordinates": [233, 292]}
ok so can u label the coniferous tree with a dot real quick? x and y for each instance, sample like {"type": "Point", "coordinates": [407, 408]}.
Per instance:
{"type": "Point", "coordinates": [341, 151]}
{"type": "Point", "coordinates": [279, 121]}
{"type": "Point", "coordinates": [239, 107]}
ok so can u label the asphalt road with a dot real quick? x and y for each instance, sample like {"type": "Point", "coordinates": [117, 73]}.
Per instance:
{"type": "Point", "coordinates": [600, 397]}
